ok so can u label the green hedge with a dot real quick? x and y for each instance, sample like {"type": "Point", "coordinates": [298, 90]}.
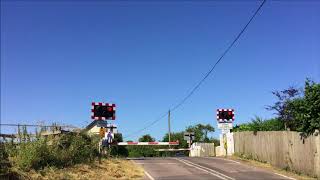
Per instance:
{"type": "Point", "coordinates": [61, 151]}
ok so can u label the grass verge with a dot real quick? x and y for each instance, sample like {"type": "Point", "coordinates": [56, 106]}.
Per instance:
{"type": "Point", "coordinates": [107, 169]}
{"type": "Point", "coordinates": [267, 166]}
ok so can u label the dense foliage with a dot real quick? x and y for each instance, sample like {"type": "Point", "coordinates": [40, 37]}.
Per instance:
{"type": "Point", "coordinates": [146, 138]}
{"type": "Point", "coordinates": [118, 151]}
{"type": "Point", "coordinates": [4, 161]}
{"type": "Point", "coordinates": [305, 111]}
{"type": "Point", "coordinates": [294, 112]}
{"type": "Point", "coordinates": [60, 151]}
{"type": "Point", "coordinates": [258, 124]}
{"type": "Point", "coordinates": [201, 135]}
{"type": "Point", "coordinates": [201, 132]}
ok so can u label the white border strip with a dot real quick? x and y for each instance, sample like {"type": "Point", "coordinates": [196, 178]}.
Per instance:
{"type": "Point", "coordinates": [205, 169]}
{"type": "Point", "coordinates": [285, 176]}
{"type": "Point", "coordinates": [149, 176]}
{"type": "Point", "coordinates": [222, 159]}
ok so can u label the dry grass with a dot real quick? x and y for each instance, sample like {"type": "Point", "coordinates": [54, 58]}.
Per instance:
{"type": "Point", "coordinates": [271, 168]}
{"type": "Point", "coordinates": [107, 169]}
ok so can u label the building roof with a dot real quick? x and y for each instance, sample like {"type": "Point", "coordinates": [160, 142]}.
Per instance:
{"type": "Point", "coordinates": [100, 123]}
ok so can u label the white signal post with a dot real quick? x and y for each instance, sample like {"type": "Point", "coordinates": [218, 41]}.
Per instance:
{"type": "Point", "coordinates": [101, 111]}
{"type": "Point", "coordinates": [225, 118]}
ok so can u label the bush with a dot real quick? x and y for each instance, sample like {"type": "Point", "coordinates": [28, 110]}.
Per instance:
{"type": "Point", "coordinates": [258, 124]}
{"type": "Point", "coordinates": [305, 110]}
{"type": "Point", "coordinates": [118, 150]}
{"type": "Point", "coordinates": [32, 155]}
{"type": "Point", "coordinates": [299, 113]}
{"type": "Point", "coordinates": [4, 161]}
{"type": "Point", "coordinates": [62, 151]}
{"type": "Point", "coordinates": [142, 151]}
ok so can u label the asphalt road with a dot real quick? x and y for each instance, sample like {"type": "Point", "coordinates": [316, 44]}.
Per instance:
{"type": "Point", "coordinates": [202, 168]}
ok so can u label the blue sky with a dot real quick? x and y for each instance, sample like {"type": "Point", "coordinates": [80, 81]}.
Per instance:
{"type": "Point", "coordinates": [58, 57]}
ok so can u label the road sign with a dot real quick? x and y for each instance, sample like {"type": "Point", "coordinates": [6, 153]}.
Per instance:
{"type": "Point", "coordinates": [188, 136]}
{"type": "Point", "coordinates": [103, 111]}
{"type": "Point", "coordinates": [225, 115]}
{"type": "Point", "coordinates": [102, 132]}
{"type": "Point", "coordinates": [225, 131]}
{"type": "Point", "coordinates": [225, 125]}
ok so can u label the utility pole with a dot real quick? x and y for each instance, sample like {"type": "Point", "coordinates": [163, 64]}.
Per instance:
{"type": "Point", "coordinates": [169, 126]}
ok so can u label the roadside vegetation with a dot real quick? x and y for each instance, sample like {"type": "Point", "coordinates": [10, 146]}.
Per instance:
{"type": "Point", "coordinates": [201, 135]}
{"type": "Point", "coordinates": [105, 169]}
{"type": "Point", "coordinates": [66, 156]}
{"type": "Point", "coordinates": [295, 110]}
{"type": "Point", "coordinates": [75, 155]}
{"type": "Point", "coordinates": [264, 165]}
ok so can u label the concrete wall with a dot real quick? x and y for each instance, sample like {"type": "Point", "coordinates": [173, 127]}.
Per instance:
{"type": "Point", "coordinates": [220, 151]}
{"type": "Point", "coordinates": [202, 150]}
{"type": "Point", "coordinates": [226, 141]}
{"type": "Point", "coordinates": [283, 149]}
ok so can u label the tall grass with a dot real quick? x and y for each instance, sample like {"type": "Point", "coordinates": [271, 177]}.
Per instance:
{"type": "Point", "coordinates": [56, 151]}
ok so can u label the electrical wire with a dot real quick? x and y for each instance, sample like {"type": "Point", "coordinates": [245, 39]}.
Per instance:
{"type": "Point", "coordinates": [149, 125]}
{"type": "Point", "coordinates": [206, 75]}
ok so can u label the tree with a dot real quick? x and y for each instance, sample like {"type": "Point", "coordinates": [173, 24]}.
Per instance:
{"type": "Point", "coordinates": [297, 113]}
{"type": "Point", "coordinates": [258, 124]}
{"type": "Point", "coordinates": [143, 151]}
{"type": "Point", "coordinates": [306, 110]}
{"type": "Point", "coordinates": [178, 136]}
{"type": "Point", "coordinates": [146, 138]}
{"type": "Point", "coordinates": [201, 132]}
{"type": "Point", "coordinates": [215, 141]}
{"type": "Point", "coordinates": [284, 97]}
{"type": "Point", "coordinates": [118, 150]}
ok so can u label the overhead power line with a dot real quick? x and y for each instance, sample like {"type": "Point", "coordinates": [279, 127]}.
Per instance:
{"type": "Point", "coordinates": [206, 75]}
{"type": "Point", "coordinates": [146, 127]}
{"type": "Point", "coordinates": [35, 125]}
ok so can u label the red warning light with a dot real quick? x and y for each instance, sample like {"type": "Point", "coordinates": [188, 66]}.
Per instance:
{"type": "Point", "coordinates": [225, 115]}
{"type": "Point", "coordinates": [103, 111]}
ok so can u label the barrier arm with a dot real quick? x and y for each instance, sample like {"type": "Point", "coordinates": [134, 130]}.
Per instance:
{"type": "Point", "coordinates": [147, 143]}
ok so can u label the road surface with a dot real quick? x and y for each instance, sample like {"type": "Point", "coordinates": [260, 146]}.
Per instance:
{"type": "Point", "coordinates": [202, 168]}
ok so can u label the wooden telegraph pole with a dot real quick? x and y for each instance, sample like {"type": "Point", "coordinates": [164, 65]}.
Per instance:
{"type": "Point", "coordinates": [169, 127]}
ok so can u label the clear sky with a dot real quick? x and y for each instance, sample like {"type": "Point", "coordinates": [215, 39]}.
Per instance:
{"type": "Point", "coordinates": [58, 57]}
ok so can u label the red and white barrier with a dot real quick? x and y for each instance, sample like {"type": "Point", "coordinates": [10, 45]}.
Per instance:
{"type": "Point", "coordinates": [146, 143]}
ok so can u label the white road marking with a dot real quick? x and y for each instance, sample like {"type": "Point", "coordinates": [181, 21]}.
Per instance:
{"type": "Point", "coordinates": [202, 169]}
{"type": "Point", "coordinates": [285, 176]}
{"type": "Point", "coordinates": [216, 172]}
{"type": "Point", "coordinates": [222, 159]}
{"type": "Point", "coordinates": [228, 160]}
{"type": "Point", "coordinates": [205, 169]}
{"type": "Point", "coordinates": [149, 176]}
{"type": "Point", "coordinates": [145, 172]}
{"type": "Point", "coordinates": [157, 163]}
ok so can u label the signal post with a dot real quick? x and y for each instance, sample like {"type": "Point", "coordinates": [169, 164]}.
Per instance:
{"type": "Point", "coordinates": [102, 112]}
{"type": "Point", "coordinates": [225, 118]}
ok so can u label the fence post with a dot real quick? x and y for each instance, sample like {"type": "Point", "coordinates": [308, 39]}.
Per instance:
{"type": "Point", "coordinates": [317, 155]}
